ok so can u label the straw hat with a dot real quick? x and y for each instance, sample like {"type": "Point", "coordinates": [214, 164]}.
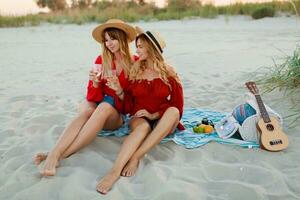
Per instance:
{"type": "Point", "coordinates": [154, 37]}
{"type": "Point", "coordinates": [114, 23]}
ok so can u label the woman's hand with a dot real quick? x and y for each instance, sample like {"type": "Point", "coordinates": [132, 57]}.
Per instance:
{"type": "Point", "coordinates": [95, 76]}
{"type": "Point", "coordinates": [145, 113]}
{"type": "Point", "coordinates": [114, 84]}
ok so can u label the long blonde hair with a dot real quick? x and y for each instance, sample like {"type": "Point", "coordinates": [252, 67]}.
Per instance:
{"type": "Point", "coordinates": [108, 57]}
{"type": "Point", "coordinates": [159, 65]}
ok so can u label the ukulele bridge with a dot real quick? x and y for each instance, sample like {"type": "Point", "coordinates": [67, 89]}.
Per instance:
{"type": "Point", "coordinates": [275, 142]}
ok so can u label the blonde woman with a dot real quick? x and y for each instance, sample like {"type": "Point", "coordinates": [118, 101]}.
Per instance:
{"type": "Point", "coordinates": [156, 98]}
{"type": "Point", "coordinates": [102, 108]}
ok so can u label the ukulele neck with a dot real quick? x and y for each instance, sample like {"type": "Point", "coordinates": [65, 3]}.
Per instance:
{"type": "Point", "coordinates": [262, 109]}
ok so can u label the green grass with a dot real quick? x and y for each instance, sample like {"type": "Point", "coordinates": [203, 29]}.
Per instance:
{"type": "Point", "coordinates": [29, 20]}
{"type": "Point", "coordinates": [262, 12]}
{"type": "Point", "coordinates": [286, 77]}
{"type": "Point", "coordinates": [131, 11]}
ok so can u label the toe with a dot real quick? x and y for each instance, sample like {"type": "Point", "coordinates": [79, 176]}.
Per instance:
{"type": "Point", "coordinates": [48, 172]}
{"type": "Point", "coordinates": [101, 190]}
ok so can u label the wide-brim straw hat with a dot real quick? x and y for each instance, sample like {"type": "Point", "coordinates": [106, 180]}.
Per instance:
{"type": "Point", "coordinates": [114, 23]}
{"type": "Point", "coordinates": [155, 38]}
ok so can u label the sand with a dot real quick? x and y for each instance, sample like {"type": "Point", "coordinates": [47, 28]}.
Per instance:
{"type": "Point", "coordinates": [44, 71]}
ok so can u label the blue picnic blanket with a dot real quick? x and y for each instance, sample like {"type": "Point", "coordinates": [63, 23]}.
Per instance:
{"type": "Point", "coordinates": [187, 138]}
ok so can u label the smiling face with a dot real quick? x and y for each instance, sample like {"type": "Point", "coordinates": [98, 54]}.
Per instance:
{"type": "Point", "coordinates": [146, 50]}
{"type": "Point", "coordinates": [112, 44]}
{"type": "Point", "coordinates": [141, 49]}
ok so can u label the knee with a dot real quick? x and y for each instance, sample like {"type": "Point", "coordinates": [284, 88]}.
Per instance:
{"type": "Point", "coordinates": [173, 111]}
{"type": "Point", "coordinates": [145, 127]}
{"type": "Point", "coordinates": [105, 107]}
{"type": "Point", "coordinates": [86, 111]}
{"type": "Point", "coordinates": [141, 130]}
{"type": "Point", "coordinates": [139, 125]}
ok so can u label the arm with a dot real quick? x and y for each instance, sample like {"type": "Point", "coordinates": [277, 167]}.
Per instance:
{"type": "Point", "coordinates": [94, 93]}
{"type": "Point", "coordinates": [176, 98]}
{"type": "Point", "coordinates": [94, 88]}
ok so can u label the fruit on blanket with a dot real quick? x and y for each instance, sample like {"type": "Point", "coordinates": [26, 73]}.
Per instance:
{"type": "Point", "coordinates": [201, 128]}
{"type": "Point", "coordinates": [198, 129]}
{"type": "Point", "coordinates": [195, 129]}
{"type": "Point", "coordinates": [208, 129]}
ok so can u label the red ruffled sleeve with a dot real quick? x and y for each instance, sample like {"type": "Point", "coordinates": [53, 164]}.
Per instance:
{"type": "Point", "coordinates": [95, 94]}
{"type": "Point", "coordinates": [176, 100]}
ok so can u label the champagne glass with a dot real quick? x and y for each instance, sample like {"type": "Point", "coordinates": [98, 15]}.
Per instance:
{"type": "Point", "coordinates": [97, 68]}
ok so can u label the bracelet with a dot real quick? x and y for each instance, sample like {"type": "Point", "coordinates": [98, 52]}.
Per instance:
{"type": "Point", "coordinates": [119, 94]}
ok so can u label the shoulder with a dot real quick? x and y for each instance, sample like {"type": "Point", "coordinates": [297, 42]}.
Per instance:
{"type": "Point", "coordinates": [98, 60]}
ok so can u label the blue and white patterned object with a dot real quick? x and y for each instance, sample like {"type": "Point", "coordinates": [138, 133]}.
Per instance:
{"type": "Point", "coordinates": [188, 138]}
{"type": "Point", "coordinates": [242, 112]}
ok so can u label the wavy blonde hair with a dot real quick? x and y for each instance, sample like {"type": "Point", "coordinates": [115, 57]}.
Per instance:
{"type": "Point", "coordinates": [159, 65]}
{"type": "Point", "coordinates": [108, 57]}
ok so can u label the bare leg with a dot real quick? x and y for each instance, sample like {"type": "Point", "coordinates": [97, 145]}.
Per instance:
{"type": "Point", "coordinates": [105, 116]}
{"type": "Point", "coordinates": [140, 128]}
{"type": "Point", "coordinates": [69, 134]}
{"type": "Point", "coordinates": [166, 125]}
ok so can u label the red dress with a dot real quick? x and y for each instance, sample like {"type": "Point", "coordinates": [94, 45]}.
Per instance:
{"type": "Point", "coordinates": [97, 94]}
{"type": "Point", "coordinates": [155, 96]}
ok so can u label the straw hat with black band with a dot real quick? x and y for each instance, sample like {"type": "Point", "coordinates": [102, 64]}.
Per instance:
{"type": "Point", "coordinates": [114, 23]}
{"type": "Point", "coordinates": [154, 37]}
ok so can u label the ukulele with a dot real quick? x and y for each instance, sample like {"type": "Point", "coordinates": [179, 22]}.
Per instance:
{"type": "Point", "coordinates": [272, 138]}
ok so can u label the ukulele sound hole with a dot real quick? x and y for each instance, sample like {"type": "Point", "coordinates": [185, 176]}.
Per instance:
{"type": "Point", "coordinates": [275, 142]}
{"type": "Point", "coordinates": [270, 127]}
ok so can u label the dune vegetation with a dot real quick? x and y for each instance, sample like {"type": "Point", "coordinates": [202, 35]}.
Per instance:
{"type": "Point", "coordinates": [285, 77]}
{"type": "Point", "coordinates": [84, 11]}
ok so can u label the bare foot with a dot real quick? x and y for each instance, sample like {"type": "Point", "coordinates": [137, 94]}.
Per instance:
{"type": "Point", "coordinates": [131, 167]}
{"type": "Point", "coordinates": [39, 157]}
{"type": "Point", "coordinates": [106, 183]}
{"type": "Point", "coordinates": [50, 165]}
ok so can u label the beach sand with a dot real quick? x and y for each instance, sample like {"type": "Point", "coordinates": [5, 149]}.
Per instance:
{"type": "Point", "coordinates": [44, 72]}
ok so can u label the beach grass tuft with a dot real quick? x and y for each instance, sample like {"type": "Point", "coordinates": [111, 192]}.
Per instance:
{"type": "Point", "coordinates": [262, 12]}
{"type": "Point", "coordinates": [286, 77]}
